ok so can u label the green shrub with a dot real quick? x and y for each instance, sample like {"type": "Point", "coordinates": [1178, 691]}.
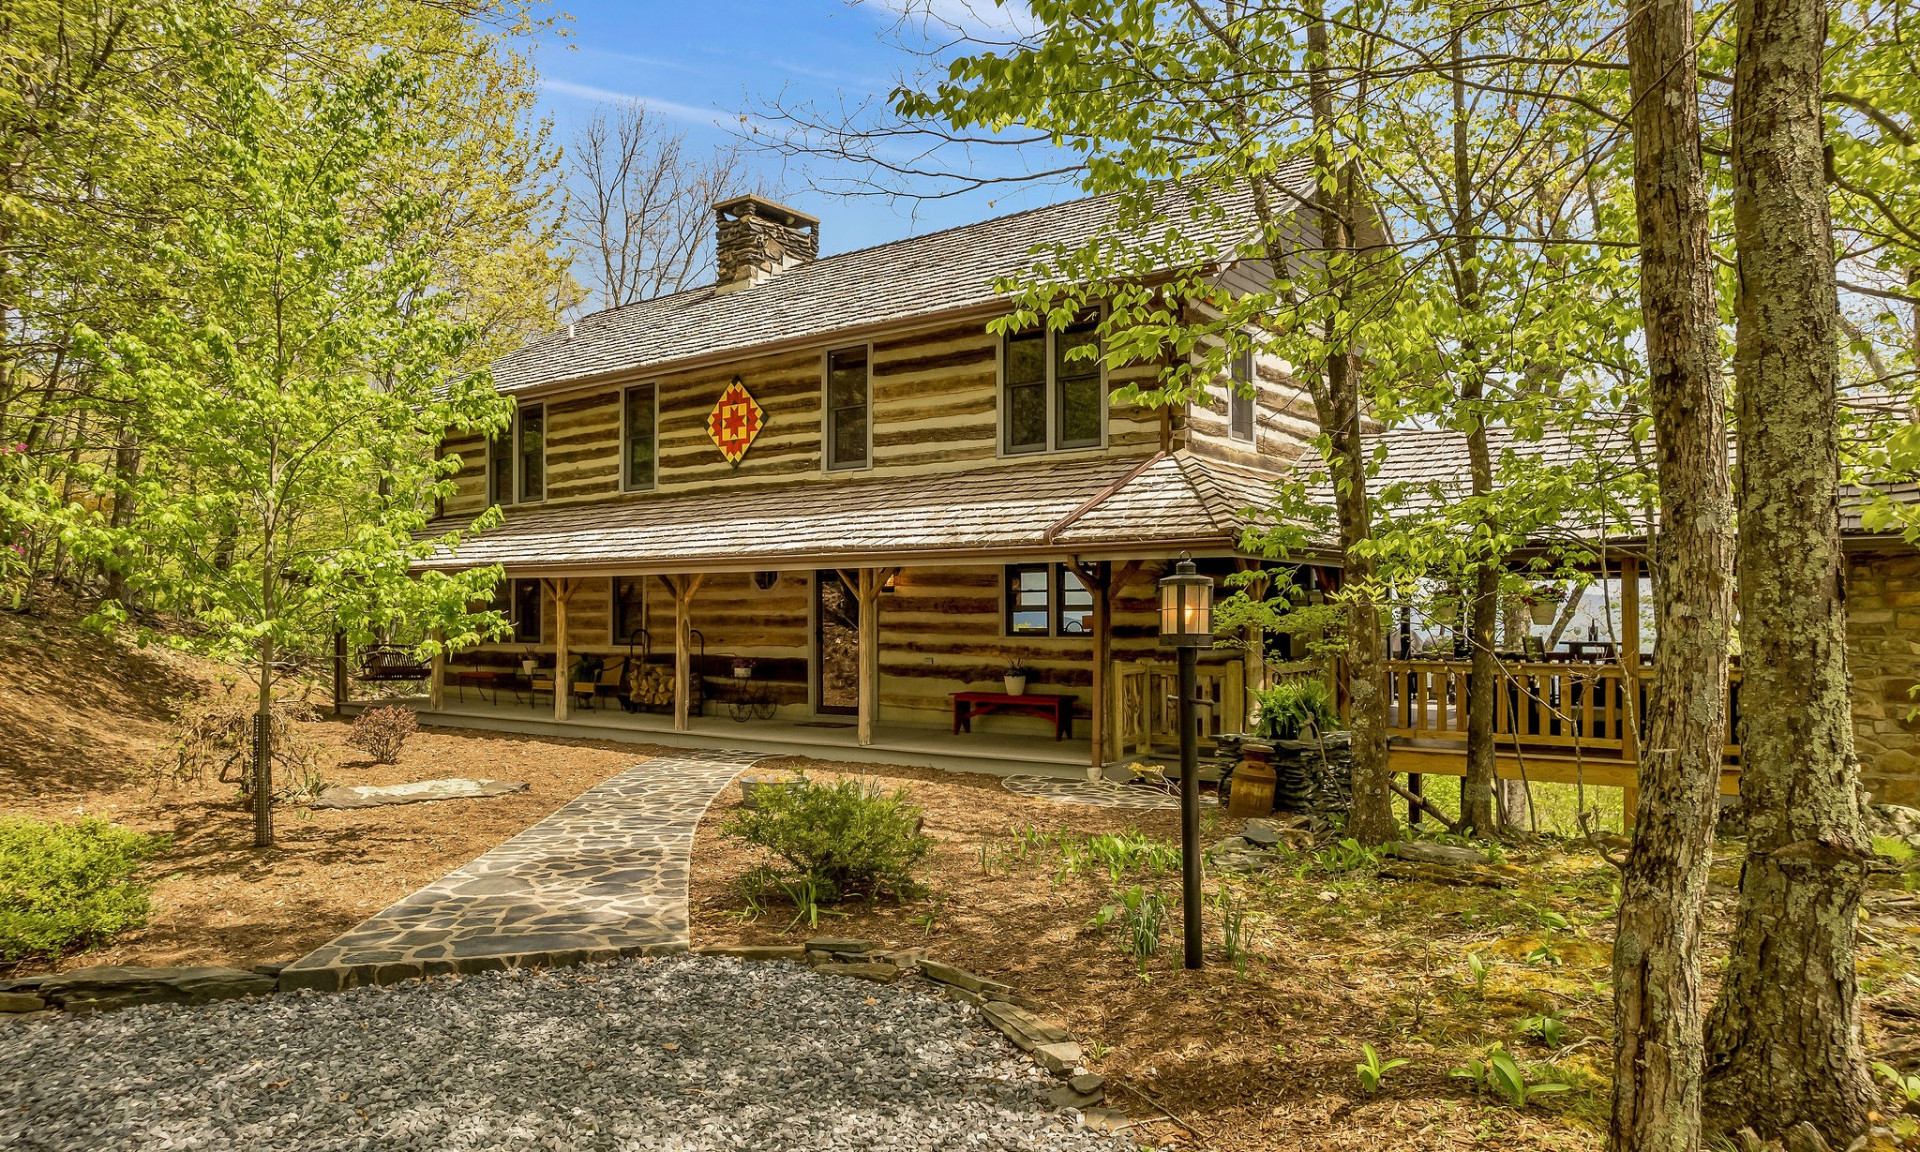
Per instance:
{"type": "Point", "coordinates": [847, 839]}
{"type": "Point", "coordinates": [66, 886]}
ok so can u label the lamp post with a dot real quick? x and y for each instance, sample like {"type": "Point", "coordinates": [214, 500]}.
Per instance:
{"type": "Point", "coordinates": [1186, 623]}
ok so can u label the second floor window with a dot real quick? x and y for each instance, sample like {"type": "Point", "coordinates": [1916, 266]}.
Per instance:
{"type": "Point", "coordinates": [517, 460]}
{"type": "Point", "coordinates": [637, 438]}
{"type": "Point", "coordinates": [1239, 403]}
{"type": "Point", "coordinates": [530, 445]}
{"type": "Point", "coordinates": [847, 398]}
{"type": "Point", "coordinates": [1052, 398]}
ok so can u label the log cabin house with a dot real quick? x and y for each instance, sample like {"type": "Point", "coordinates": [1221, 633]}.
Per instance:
{"type": "Point", "coordinates": [818, 500]}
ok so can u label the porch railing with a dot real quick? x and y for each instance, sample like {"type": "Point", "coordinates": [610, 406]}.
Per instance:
{"type": "Point", "coordinates": [1539, 705]}
{"type": "Point", "coordinates": [1145, 701]}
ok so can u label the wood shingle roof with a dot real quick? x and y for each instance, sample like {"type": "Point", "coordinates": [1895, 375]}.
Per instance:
{"type": "Point", "coordinates": [1178, 501]}
{"type": "Point", "coordinates": [919, 277]}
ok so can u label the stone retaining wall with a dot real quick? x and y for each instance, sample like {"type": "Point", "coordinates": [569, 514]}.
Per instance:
{"type": "Point", "coordinates": [1883, 652]}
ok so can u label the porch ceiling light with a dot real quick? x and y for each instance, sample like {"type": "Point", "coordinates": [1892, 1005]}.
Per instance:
{"type": "Point", "coordinates": [1186, 608]}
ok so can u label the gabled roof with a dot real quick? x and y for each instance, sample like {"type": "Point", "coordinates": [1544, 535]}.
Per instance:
{"type": "Point", "coordinates": [1177, 501]}
{"type": "Point", "coordinates": [920, 277]}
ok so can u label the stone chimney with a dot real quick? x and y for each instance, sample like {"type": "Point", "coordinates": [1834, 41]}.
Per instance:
{"type": "Point", "coordinates": [758, 239]}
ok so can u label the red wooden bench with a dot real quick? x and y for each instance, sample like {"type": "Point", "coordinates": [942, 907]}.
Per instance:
{"type": "Point", "coordinates": [967, 705]}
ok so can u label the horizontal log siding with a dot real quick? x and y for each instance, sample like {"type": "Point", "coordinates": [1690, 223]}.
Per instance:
{"type": "Point", "coordinates": [1284, 423]}
{"type": "Point", "coordinates": [935, 397]}
{"type": "Point", "coordinates": [470, 482]}
{"type": "Point", "coordinates": [941, 632]}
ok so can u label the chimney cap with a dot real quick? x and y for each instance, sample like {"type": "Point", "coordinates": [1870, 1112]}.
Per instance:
{"type": "Point", "coordinates": [761, 206]}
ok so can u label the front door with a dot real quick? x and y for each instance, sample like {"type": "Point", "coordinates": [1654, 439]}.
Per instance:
{"type": "Point", "coordinates": [836, 645]}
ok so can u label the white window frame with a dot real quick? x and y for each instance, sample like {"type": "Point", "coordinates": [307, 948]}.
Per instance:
{"type": "Point", "coordinates": [826, 410]}
{"type": "Point", "coordinates": [626, 476]}
{"type": "Point", "coordinates": [1000, 445]}
{"type": "Point", "coordinates": [513, 455]}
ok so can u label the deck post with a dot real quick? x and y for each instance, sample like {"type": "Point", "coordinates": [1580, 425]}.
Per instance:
{"type": "Point", "coordinates": [1630, 682]}
{"type": "Point", "coordinates": [562, 590]}
{"type": "Point", "coordinates": [436, 676]}
{"type": "Point", "coordinates": [342, 686]}
{"type": "Point", "coordinates": [867, 590]}
{"type": "Point", "coordinates": [682, 646]}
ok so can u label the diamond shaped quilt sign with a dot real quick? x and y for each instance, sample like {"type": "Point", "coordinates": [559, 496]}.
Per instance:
{"type": "Point", "coordinates": [735, 422]}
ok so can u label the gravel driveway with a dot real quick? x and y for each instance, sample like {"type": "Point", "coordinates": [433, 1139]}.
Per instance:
{"type": "Point", "coordinates": [679, 1054]}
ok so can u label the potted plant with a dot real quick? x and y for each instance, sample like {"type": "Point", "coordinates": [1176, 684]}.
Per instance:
{"type": "Point", "coordinates": [1296, 709]}
{"type": "Point", "coordinates": [528, 662]}
{"type": "Point", "coordinates": [1015, 680]}
{"type": "Point", "coordinates": [1543, 603]}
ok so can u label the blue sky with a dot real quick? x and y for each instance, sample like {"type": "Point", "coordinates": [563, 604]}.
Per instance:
{"type": "Point", "coordinates": [702, 63]}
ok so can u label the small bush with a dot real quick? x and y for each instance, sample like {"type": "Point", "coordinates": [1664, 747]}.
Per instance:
{"type": "Point", "coordinates": [66, 886]}
{"type": "Point", "coordinates": [382, 732]}
{"type": "Point", "coordinates": [216, 733]}
{"type": "Point", "coordinates": [845, 839]}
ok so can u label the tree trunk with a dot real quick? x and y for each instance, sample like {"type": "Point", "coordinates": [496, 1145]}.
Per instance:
{"type": "Point", "coordinates": [1338, 409]}
{"type": "Point", "coordinates": [1656, 957]}
{"type": "Point", "coordinates": [126, 467]}
{"type": "Point", "coordinates": [263, 751]}
{"type": "Point", "coordinates": [1785, 1036]}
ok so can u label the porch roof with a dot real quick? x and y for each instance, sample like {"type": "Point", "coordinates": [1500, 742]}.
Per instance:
{"type": "Point", "coordinates": [1099, 507]}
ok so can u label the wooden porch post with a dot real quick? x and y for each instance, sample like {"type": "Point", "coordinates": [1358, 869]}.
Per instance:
{"type": "Point", "coordinates": [682, 645]}
{"type": "Point", "coordinates": [1630, 665]}
{"type": "Point", "coordinates": [1103, 580]}
{"type": "Point", "coordinates": [1253, 677]}
{"type": "Point", "coordinates": [436, 677]}
{"type": "Point", "coordinates": [562, 590]}
{"type": "Point", "coordinates": [342, 687]}
{"type": "Point", "coordinates": [867, 590]}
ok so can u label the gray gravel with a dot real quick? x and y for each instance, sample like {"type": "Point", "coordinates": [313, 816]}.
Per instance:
{"type": "Point", "coordinates": [675, 1055]}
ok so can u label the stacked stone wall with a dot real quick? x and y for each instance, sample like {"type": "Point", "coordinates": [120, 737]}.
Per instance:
{"type": "Point", "coordinates": [1883, 652]}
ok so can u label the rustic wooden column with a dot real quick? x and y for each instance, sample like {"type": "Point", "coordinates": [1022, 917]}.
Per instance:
{"type": "Point", "coordinates": [562, 590]}
{"type": "Point", "coordinates": [682, 589]}
{"type": "Point", "coordinates": [1103, 580]}
{"type": "Point", "coordinates": [1630, 678]}
{"type": "Point", "coordinates": [437, 675]}
{"type": "Point", "coordinates": [867, 591]}
{"type": "Point", "coordinates": [1253, 677]}
{"type": "Point", "coordinates": [342, 686]}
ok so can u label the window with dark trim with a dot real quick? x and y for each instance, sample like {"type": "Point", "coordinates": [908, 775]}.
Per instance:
{"type": "Point", "coordinates": [848, 396]}
{"type": "Point", "coordinates": [530, 445]}
{"type": "Point", "coordinates": [1052, 397]}
{"type": "Point", "coordinates": [526, 611]}
{"type": "Point", "coordinates": [1047, 600]}
{"type": "Point", "coordinates": [638, 437]}
{"type": "Point", "coordinates": [500, 467]}
{"type": "Point", "coordinates": [1240, 403]}
{"type": "Point", "coordinates": [629, 607]}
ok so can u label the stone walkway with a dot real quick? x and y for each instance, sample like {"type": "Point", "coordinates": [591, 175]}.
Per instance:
{"type": "Point", "coordinates": [604, 877]}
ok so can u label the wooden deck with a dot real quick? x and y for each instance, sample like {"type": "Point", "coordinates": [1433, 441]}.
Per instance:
{"type": "Point", "coordinates": [1554, 722]}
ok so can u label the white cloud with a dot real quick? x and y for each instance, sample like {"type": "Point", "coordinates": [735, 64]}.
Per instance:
{"type": "Point", "coordinates": [979, 18]}
{"type": "Point", "coordinates": [671, 109]}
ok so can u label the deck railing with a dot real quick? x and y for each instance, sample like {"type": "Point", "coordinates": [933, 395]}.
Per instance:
{"type": "Point", "coordinates": [1541, 705]}
{"type": "Point", "coordinates": [1145, 698]}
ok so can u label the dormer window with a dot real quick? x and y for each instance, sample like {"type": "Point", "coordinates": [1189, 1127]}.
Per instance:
{"type": "Point", "coordinates": [1052, 399]}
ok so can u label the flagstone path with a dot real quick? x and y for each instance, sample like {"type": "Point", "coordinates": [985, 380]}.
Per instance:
{"type": "Point", "coordinates": [603, 877]}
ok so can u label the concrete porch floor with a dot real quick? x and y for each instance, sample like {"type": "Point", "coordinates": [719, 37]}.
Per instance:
{"type": "Point", "coordinates": [826, 738]}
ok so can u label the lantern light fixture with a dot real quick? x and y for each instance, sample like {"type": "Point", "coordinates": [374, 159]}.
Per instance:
{"type": "Point", "coordinates": [1186, 607]}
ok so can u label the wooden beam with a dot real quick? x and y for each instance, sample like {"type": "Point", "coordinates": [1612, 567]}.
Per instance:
{"type": "Point", "coordinates": [1630, 664]}
{"type": "Point", "coordinates": [437, 675]}
{"type": "Point", "coordinates": [867, 591]}
{"type": "Point", "coordinates": [562, 591]}
{"type": "Point", "coordinates": [342, 679]}
{"type": "Point", "coordinates": [683, 593]}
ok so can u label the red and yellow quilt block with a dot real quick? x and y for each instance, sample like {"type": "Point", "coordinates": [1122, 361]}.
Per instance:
{"type": "Point", "coordinates": [735, 421]}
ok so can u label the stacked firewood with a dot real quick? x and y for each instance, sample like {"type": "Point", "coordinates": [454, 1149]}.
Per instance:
{"type": "Point", "coordinates": [651, 686]}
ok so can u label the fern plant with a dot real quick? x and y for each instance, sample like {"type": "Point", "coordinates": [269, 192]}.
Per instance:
{"type": "Point", "coordinates": [1294, 708]}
